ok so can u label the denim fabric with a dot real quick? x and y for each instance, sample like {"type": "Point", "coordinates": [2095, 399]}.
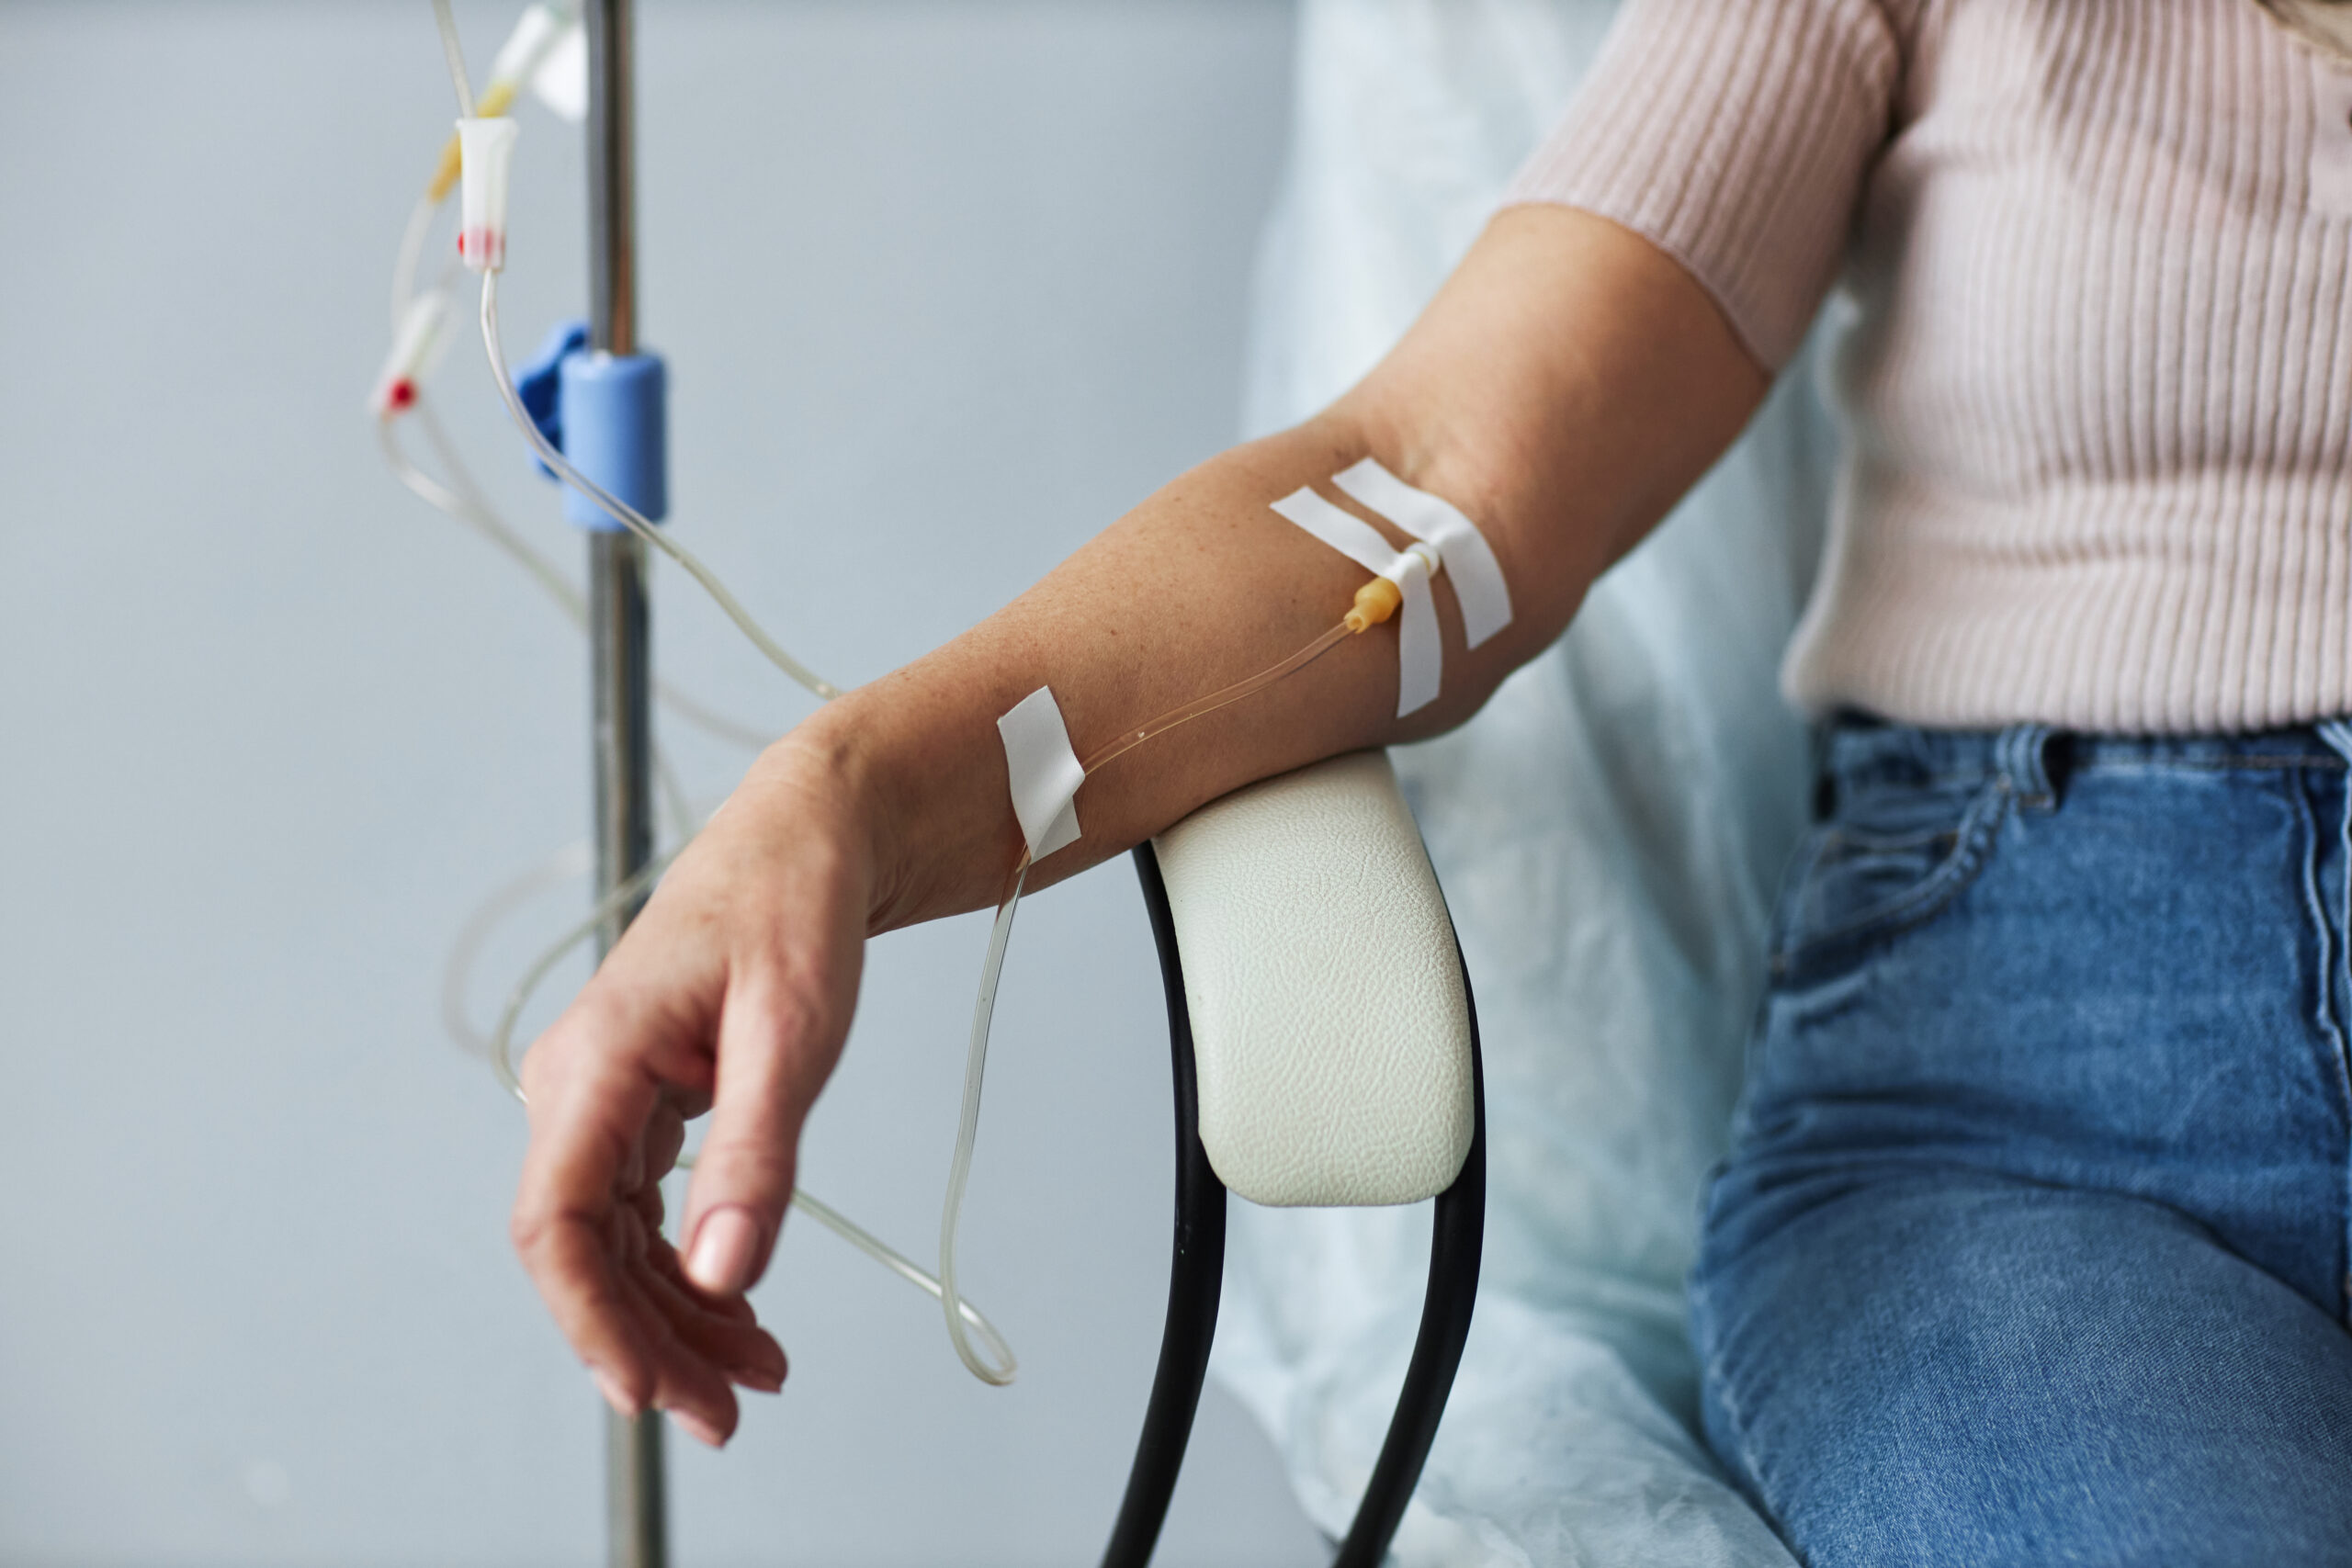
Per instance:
{"type": "Point", "coordinates": [2032, 1244]}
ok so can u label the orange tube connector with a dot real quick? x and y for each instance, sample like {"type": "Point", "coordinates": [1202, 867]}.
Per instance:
{"type": "Point", "coordinates": [1375, 601]}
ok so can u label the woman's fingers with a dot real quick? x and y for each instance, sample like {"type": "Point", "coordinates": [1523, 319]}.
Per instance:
{"type": "Point", "coordinates": [588, 1111]}
{"type": "Point", "coordinates": [743, 1171]}
{"type": "Point", "coordinates": [692, 1388]}
{"type": "Point", "coordinates": [787, 1010]}
{"type": "Point", "coordinates": [731, 1309]}
{"type": "Point", "coordinates": [666, 1135]}
{"type": "Point", "coordinates": [572, 1262]}
{"type": "Point", "coordinates": [733, 991]}
{"type": "Point", "coordinates": [606, 1123]}
{"type": "Point", "coordinates": [723, 1331]}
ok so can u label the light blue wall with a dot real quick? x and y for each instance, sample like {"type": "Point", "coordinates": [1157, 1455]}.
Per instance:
{"type": "Point", "coordinates": [945, 287]}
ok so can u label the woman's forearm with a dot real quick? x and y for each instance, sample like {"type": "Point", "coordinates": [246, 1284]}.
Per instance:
{"type": "Point", "coordinates": [1567, 386]}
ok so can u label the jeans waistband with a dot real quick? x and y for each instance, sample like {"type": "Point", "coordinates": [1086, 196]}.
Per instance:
{"type": "Point", "coordinates": [1863, 751]}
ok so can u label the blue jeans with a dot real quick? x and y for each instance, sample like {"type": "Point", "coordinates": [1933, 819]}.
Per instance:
{"type": "Point", "coordinates": [2032, 1244]}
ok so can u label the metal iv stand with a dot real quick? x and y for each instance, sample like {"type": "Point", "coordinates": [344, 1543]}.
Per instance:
{"type": "Point", "coordinates": [621, 664]}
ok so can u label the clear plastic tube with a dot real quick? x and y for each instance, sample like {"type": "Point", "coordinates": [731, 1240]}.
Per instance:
{"type": "Point", "coordinates": [455, 53]}
{"type": "Point", "coordinates": [485, 517]}
{"type": "Point", "coordinates": [964, 1313]}
{"type": "Point", "coordinates": [502, 1039]}
{"type": "Point", "coordinates": [458, 970]}
{"type": "Point", "coordinates": [627, 515]}
{"type": "Point", "coordinates": [967, 1132]}
{"type": "Point", "coordinates": [463, 501]}
{"type": "Point", "coordinates": [462, 498]}
{"type": "Point", "coordinates": [1127, 742]}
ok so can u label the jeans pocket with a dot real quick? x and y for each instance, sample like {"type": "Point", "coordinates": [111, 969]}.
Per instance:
{"type": "Point", "coordinates": [1888, 860]}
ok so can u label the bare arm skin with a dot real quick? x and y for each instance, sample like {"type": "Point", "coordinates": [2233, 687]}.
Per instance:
{"type": "Point", "coordinates": [1564, 389]}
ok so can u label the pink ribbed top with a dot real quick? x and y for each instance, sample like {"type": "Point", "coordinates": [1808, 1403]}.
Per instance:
{"type": "Point", "coordinates": [2098, 381]}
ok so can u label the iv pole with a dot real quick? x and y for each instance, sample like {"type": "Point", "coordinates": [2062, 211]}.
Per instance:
{"type": "Point", "coordinates": [619, 665]}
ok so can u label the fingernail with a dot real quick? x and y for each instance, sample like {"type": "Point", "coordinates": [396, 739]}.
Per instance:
{"type": "Point", "coordinates": [698, 1428]}
{"type": "Point", "coordinates": [760, 1379]}
{"type": "Point", "coordinates": [722, 1257]}
{"type": "Point", "coordinates": [615, 1395]}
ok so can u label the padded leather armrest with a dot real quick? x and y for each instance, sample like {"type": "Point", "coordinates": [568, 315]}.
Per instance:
{"type": "Point", "coordinates": [1331, 1025]}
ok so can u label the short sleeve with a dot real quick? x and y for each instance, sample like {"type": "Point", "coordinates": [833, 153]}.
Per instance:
{"type": "Point", "coordinates": [1736, 135]}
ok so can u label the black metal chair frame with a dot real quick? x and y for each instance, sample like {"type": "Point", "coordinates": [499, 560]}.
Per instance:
{"type": "Point", "coordinates": [1196, 1276]}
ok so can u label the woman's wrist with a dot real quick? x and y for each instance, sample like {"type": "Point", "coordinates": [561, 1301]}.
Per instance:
{"type": "Point", "coordinates": [896, 798]}
{"type": "Point", "coordinates": [819, 778]}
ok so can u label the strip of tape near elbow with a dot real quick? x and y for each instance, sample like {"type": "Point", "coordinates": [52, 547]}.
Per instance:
{"type": "Point", "coordinates": [1444, 540]}
{"type": "Point", "coordinates": [1044, 771]}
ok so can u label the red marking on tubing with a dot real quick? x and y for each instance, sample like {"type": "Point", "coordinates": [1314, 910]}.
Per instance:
{"type": "Point", "coordinates": [489, 245]}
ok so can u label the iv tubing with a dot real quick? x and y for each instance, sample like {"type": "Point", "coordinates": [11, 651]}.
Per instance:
{"type": "Point", "coordinates": [502, 1042]}
{"type": "Point", "coordinates": [627, 515]}
{"type": "Point", "coordinates": [462, 498]}
{"type": "Point", "coordinates": [459, 500]}
{"type": "Point", "coordinates": [967, 1132]}
{"type": "Point", "coordinates": [1132, 738]}
{"type": "Point", "coordinates": [881, 1252]}
{"type": "Point", "coordinates": [463, 501]}
{"type": "Point", "coordinates": [458, 972]}
{"type": "Point", "coordinates": [457, 56]}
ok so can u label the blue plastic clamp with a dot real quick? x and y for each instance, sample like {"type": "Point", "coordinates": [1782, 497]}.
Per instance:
{"type": "Point", "coordinates": [607, 413]}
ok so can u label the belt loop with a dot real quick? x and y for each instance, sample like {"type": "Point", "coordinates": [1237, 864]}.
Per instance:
{"type": "Point", "coordinates": [2023, 756]}
{"type": "Point", "coordinates": [2337, 734]}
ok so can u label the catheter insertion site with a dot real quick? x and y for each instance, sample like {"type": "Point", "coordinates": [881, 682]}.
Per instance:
{"type": "Point", "coordinates": [1043, 772]}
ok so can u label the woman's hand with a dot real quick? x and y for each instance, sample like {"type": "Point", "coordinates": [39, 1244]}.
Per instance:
{"type": "Point", "coordinates": [733, 992]}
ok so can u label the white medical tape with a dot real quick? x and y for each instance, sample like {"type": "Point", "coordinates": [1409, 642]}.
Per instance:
{"type": "Point", "coordinates": [1420, 652]}
{"type": "Point", "coordinates": [1043, 772]}
{"type": "Point", "coordinates": [1421, 647]}
{"type": "Point", "coordinates": [1470, 563]}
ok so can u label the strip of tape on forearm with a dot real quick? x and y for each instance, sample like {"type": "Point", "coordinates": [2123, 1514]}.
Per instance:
{"type": "Point", "coordinates": [1042, 771]}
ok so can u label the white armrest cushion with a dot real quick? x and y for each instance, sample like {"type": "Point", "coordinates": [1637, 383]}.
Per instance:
{"type": "Point", "coordinates": [1331, 1025]}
